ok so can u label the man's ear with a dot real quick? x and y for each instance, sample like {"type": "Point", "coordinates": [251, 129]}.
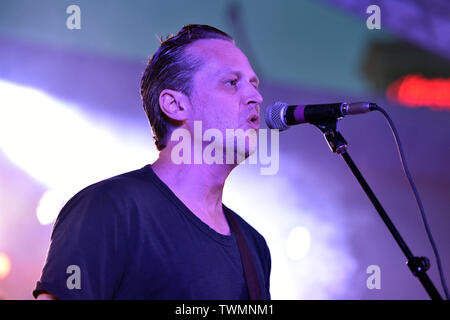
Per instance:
{"type": "Point", "coordinates": [173, 104]}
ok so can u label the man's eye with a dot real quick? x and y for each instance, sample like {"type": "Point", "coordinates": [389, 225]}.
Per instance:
{"type": "Point", "coordinates": [232, 82]}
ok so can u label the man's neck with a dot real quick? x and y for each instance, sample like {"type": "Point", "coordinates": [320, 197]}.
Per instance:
{"type": "Point", "coordinates": [198, 186]}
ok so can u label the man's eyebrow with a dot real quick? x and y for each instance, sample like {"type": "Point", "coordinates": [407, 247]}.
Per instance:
{"type": "Point", "coordinates": [254, 78]}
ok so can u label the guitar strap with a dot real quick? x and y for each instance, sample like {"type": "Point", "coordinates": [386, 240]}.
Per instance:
{"type": "Point", "coordinates": [251, 277]}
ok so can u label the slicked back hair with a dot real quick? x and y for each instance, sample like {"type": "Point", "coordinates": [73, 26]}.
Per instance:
{"type": "Point", "coordinates": [171, 67]}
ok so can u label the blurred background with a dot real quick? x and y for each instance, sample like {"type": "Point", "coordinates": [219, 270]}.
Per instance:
{"type": "Point", "coordinates": [71, 115]}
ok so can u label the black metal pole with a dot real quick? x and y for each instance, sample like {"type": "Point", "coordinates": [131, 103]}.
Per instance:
{"type": "Point", "coordinates": [417, 265]}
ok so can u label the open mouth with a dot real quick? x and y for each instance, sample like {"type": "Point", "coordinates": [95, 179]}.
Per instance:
{"type": "Point", "coordinates": [254, 119]}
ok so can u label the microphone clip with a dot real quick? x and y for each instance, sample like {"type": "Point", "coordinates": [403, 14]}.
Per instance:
{"type": "Point", "coordinates": [334, 138]}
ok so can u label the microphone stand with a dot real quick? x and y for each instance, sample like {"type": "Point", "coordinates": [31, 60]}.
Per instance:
{"type": "Point", "coordinates": [417, 265]}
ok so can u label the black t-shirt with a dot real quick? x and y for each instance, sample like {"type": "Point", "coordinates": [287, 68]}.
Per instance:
{"type": "Point", "coordinates": [130, 237]}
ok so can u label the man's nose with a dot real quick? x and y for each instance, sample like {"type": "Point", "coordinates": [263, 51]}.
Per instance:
{"type": "Point", "coordinates": [253, 96]}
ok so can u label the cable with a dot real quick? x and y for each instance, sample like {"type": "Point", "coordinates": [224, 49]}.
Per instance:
{"type": "Point", "coordinates": [416, 194]}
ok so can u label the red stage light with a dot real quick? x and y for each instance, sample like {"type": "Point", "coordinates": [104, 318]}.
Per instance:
{"type": "Point", "coordinates": [417, 91]}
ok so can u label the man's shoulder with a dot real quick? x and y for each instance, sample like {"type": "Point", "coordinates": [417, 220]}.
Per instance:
{"type": "Point", "coordinates": [122, 184]}
{"type": "Point", "coordinates": [130, 178]}
{"type": "Point", "coordinates": [120, 192]}
{"type": "Point", "coordinates": [112, 198]}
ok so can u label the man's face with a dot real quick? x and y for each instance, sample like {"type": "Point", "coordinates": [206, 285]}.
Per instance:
{"type": "Point", "coordinates": [225, 91]}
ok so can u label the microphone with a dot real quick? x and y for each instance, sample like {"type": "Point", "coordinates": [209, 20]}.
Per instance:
{"type": "Point", "coordinates": [280, 115]}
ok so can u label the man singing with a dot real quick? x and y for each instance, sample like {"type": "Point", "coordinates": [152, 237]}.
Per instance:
{"type": "Point", "coordinates": [162, 232]}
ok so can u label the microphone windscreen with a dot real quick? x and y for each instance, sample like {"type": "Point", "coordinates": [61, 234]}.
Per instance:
{"type": "Point", "coordinates": [275, 116]}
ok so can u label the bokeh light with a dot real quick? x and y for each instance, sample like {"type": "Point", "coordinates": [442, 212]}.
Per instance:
{"type": "Point", "coordinates": [49, 206]}
{"type": "Point", "coordinates": [5, 265]}
{"type": "Point", "coordinates": [298, 243]}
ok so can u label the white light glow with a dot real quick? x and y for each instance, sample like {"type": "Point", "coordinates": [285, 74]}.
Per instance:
{"type": "Point", "coordinates": [61, 147]}
{"type": "Point", "coordinates": [5, 265]}
{"type": "Point", "coordinates": [49, 206]}
{"type": "Point", "coordinates": [298, 243]}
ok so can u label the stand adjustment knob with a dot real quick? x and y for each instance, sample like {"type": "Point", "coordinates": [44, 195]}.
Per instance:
{"type": "Point", "coordinates": [419, 265]}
